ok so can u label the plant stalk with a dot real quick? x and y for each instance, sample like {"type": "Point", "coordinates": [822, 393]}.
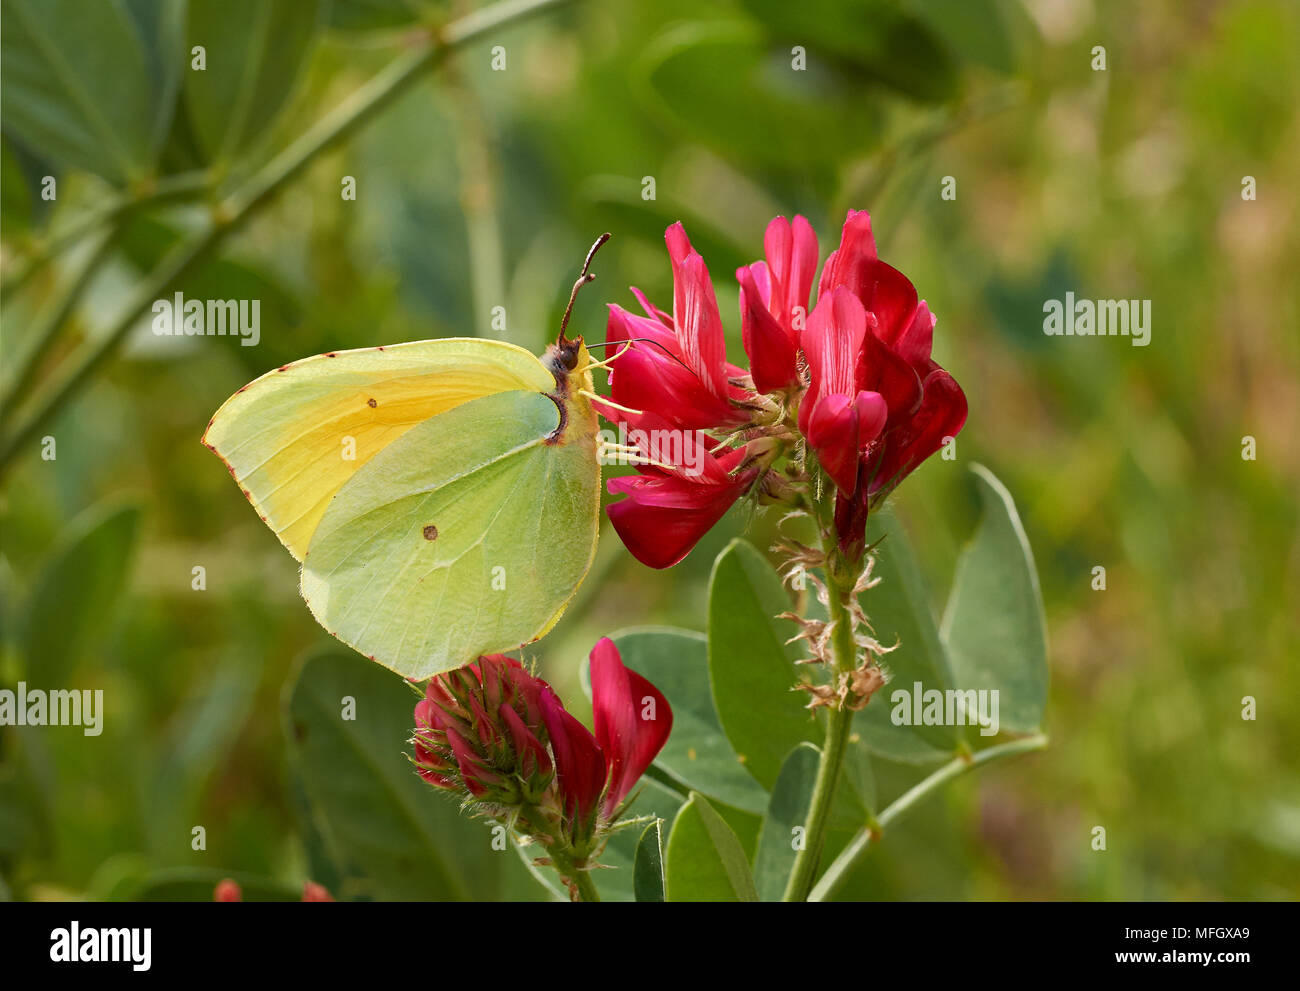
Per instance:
{"type": "Point", "coordinates": [839, 726]}
{"type": "Point", "coordinates": [838, 872]}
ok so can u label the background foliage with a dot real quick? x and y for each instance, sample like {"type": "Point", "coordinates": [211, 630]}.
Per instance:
{"type": "Point", "coordinates": [479, 188]}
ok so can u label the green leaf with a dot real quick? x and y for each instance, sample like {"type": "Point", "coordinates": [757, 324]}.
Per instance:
{"type": "Point", "coordinates": [616, 877]}
{"type": "Point", "coordinates": [76, 85]}
{"type": "Point", "coordinates": [728, 86]}
{"type": "Point", "coordinates": [161, 25]}
{"type": "Point", "coordinates": [900, 612]}
{"type": "Point", "coordinates": [977, 30]}
{"type": "Point", "coordinates": [74, 598]}
{"type": "Point", "coordinates": [751, 669]}
{"type": "Point", "coordinates": [697, 753]}
{"type": "Point", "coordinates": [254, 50]}
{"type": "Point", "coordinates": [788, 810]}
{"type": "Point", "coordinates": [648, 870]}
{"type": "Point", "coordinates": [370, 15]}
{"type": "Point", "coordinates": [397, 836]}
{"type": "Point", "coordinates": [994, 626]}
{"type": "Point", "coordinates": [875, 37]}
{"type": "Point", "coordinates": [705, 862]}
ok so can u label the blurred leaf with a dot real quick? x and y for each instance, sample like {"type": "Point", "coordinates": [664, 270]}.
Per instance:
{"type": "Point", "coordinates": [19, 824]}
{"type": "Point", "coordinates": [859, 776]}
{"type": "Point", "coordinates": [198, 740]}
{"type": "Point", "coordinates": [750, 667]}
{"type": "Point", "coordinates": [704, 861]}
{"type": "Point", "coordinates": [161, 25]}
{"type": "Point", "coordinates": [377, 816]}
{"type": "Point", "coordinates": [197, 884]}
{"type": "Point", "coordinates": [877, 37]}
{"type": "Point", "coordinates": [254, 51]}
{"type": "Point", "coordinates": [994, 625]}
{"type": "Point", "coordinates": [16, 195]}
{"type": "Point", "coordinates": [726, 86]}
{"type": "Point", "coordinates": [76, 85]}
{"type": "Point", "coordinates": [369, 15]}
{"type": "Point", "coordinates": [697, 752]}
{"type": "Point", "coordinates": [788, 808]}
{"type": "Point", "coordinates": [648, 870]}
{"type": "Point", "coordinates": [618, 200]}
{"type": "Point", "coordinates": [900, 612]}
{"type": "Point", "coordinates": [74, 599]}
{"type": "Point", "coordinates": [978, 30]}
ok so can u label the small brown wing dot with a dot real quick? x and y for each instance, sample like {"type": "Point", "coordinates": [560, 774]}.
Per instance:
{"type": "Point", "coordinates": [371, 402]}
{"type": "Point", "coordinates": [331, 354]}
{"type": "Point", "coordinates": [430, 532]}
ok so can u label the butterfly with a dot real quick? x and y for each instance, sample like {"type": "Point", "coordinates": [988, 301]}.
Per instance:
{"type": "Point", "coordinates": [442, 495]}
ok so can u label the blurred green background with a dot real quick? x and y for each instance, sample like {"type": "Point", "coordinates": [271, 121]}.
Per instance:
{"type": "Point", "coordinates": [479, 188]}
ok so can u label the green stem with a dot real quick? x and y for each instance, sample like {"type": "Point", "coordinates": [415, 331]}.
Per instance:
{"type": "Point", "coordinates": [838, 872]}
{"type": "Point", "coordinates": [586, 887]}
{"type": "Point", "coordinates": [244, 202]}
{"type": "Point", "coordinates": [839, 726]}
{"type": "Point", "coordinates": [169, 189]}
{"type": "Point", "coordinates": [44, 334]}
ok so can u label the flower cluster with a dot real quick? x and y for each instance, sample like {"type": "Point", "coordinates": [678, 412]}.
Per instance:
{"type": "Point", "coordinates": [851, 381]}
{"type": "Point", "coordinates": [501, 738]}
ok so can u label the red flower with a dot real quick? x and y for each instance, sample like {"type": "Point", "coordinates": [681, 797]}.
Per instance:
{"type": "Point", "coordinates": [227, 891]}
{"type": "Point", "coordinates": [676, 366]}
{"type": "Point", "coordinates": [839, 418]}
{"type": "Point", "coordinates": [670, 507]}
{"type": "Point", "coordinates": [774, 302]}
{"type": "Point", "coordinates": [533, 752]}
{"type": "Point", "coordinates": [924, 402]}
{"type": "Point", "coordinates": [875, 404]}
{"type": "Point", "coordinates": [478, 728]}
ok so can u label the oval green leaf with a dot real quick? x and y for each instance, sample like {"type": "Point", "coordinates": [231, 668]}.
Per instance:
{"type": "Point", "coordinates": [751, 668]}
{"type": "Point", "coordinates": [705, 862]}
{"type": "Point", "coordinates": [74, 599]}
{"type": "Point", "coordinates": [253, 50]}
{"type": "Point", "coordinates": [994, 626]}
{"type": "Point", "coordinates": [76, 85]}
{"type": "Point", "coordinates": [648, 870]}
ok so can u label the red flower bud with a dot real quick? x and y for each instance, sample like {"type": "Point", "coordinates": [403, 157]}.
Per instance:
{"type": "Point", "coordinates": [227, 891]}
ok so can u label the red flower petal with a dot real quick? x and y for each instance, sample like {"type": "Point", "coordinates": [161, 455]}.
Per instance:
{"type": "Point", "coordinates": [771, 349]}
{"type": "Point", "coordinates": [849, 264]}
{"type": "Point", "coordinates": [632, 720]}
{"type": "Point", "coordinates": [832, 343]}
{"type": "Point", "coordinates": [942, 413]}
{"type": "Point", "coordinates": [695, 313]}
{"type": "Point", "coordinates": [579, 764]}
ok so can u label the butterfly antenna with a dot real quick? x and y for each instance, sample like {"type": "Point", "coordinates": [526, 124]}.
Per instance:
{"type": "Point", "coordinates": [583, 279]}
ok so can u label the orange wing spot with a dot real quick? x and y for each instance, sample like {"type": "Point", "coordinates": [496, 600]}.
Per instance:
{"type": "Point", "coordinates": [283, 368]}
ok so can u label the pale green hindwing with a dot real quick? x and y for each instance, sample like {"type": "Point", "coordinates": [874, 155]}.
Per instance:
{"type": "Point", "coordinates": [467, 535]}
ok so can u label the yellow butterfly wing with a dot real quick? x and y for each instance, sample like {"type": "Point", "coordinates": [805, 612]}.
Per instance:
{"type": "Point", "coordinates": [293, 437]}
